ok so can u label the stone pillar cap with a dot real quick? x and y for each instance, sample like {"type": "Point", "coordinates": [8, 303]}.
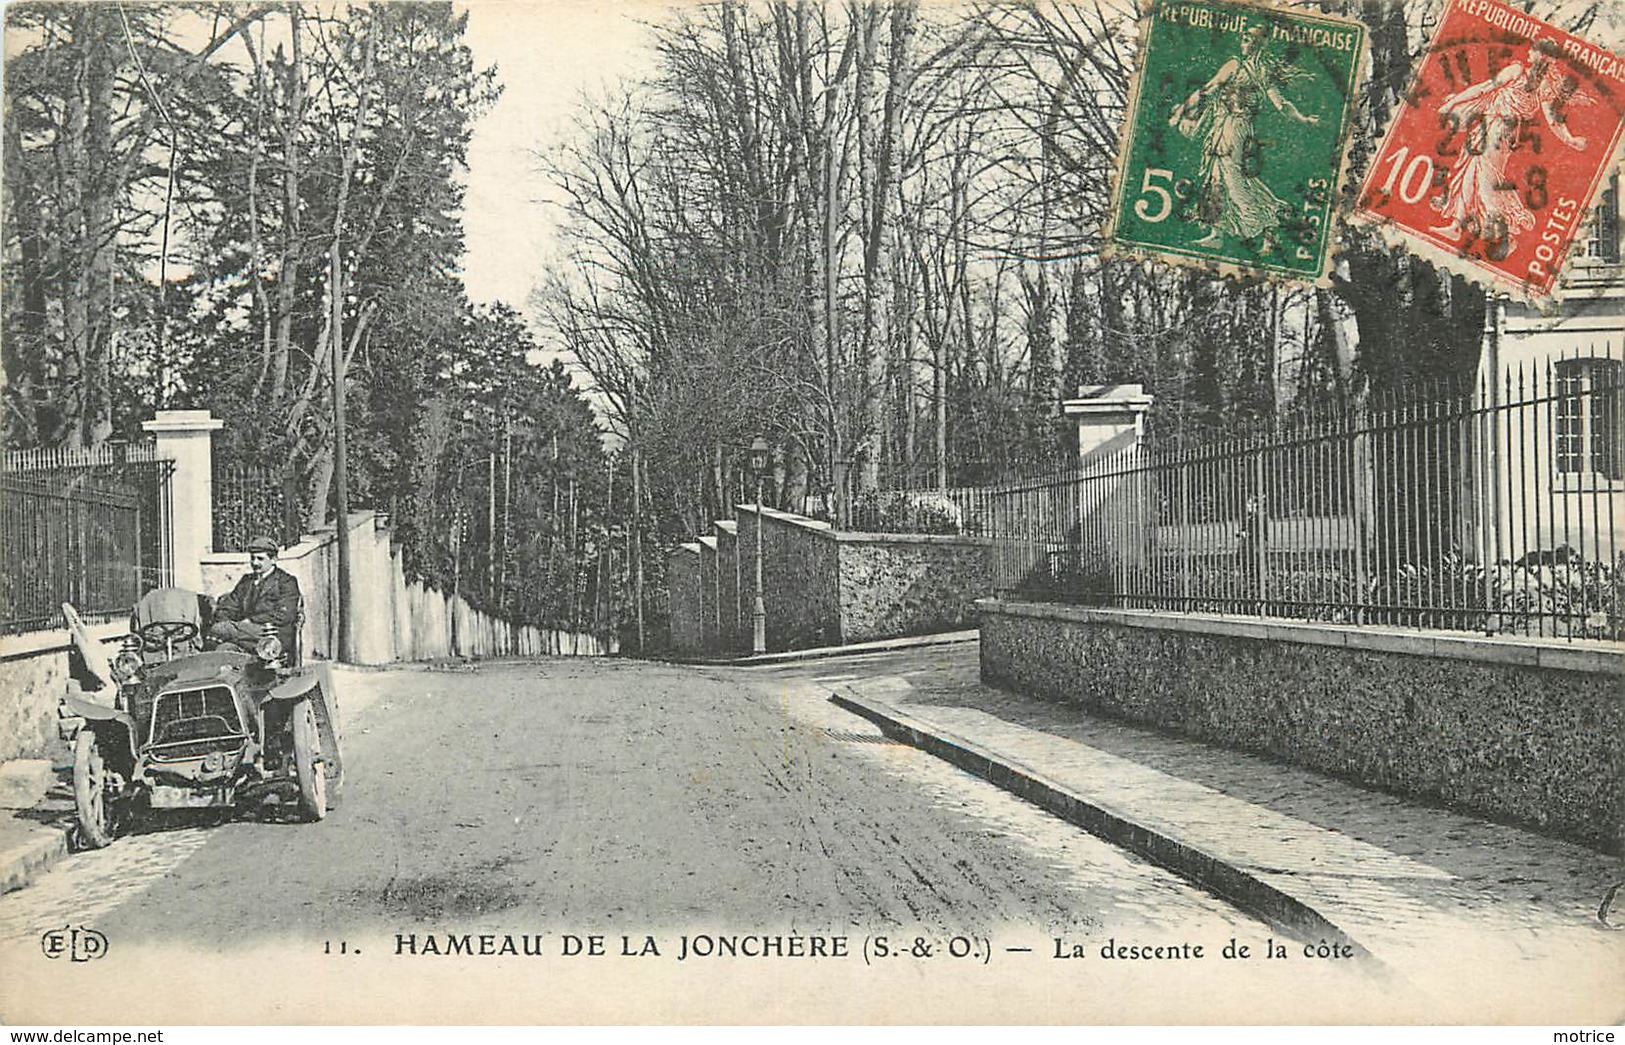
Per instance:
{"type": "Point", "coordinates": [183, 421]}
{"type": "Point", "coordinates": [1094, 399]}
{"type": "Point", "coordinates": [1133, 391]}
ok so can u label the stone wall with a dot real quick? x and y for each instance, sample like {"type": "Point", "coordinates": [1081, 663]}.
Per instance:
{"type": "Point", "coordinates": [800, 585]}
{"type": "Point", "coordinates": [710, 620]}
{"type": "Point", "coordinates": [1512, 729]}
{"type": "Point", "coordinates": [683, 595]}
{"type": "Point", "coordinates": [733, 630]}
{"type": "Point", "coordinates": [910, 584]}
{"type": "Point", "coordinates": [33, 677]}
{"type": "Point", "coordinates": [393, 619]}
{"type": "Point", "coordinates": [822, 587]}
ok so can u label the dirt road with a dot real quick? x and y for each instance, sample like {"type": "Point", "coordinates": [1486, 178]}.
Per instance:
{"type": "Point", "coordinates": [541, 803]}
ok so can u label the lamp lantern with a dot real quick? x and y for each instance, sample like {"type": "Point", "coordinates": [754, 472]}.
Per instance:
{"type": "Point", "coordinates": [758, 457]}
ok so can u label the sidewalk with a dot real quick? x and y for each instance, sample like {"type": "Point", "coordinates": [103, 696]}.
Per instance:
{"type": "Point", "coordinates": [1322, 859]}
{"type": "Point", "coordinates": [36, 817]}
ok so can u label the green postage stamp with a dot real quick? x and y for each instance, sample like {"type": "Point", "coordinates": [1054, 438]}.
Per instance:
{"type": "Point", "coordinates": [1234, 143]}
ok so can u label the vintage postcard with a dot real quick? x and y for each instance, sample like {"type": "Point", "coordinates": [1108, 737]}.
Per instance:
{"type": "Point", "coordinates": [1496, 155]}
{"type": "Point", "coordinates": [777, 512]}
{"type": "Point", "coordinates": [1234, 144]}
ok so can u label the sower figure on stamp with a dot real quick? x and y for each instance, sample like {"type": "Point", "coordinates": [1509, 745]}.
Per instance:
{"type": "Point", "coordinates": [1479, 197]}
{"type": "Point", "coordinates": [269, 595]}
{"type": "Point", "coordinates": [1223, 112]}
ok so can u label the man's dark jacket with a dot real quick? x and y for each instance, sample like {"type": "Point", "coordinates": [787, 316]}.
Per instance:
{"type": "Point", "coordinates": [274, 600]}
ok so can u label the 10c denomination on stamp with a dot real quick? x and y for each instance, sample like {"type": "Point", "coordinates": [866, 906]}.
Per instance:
{"type": "Point", "coordinates": [1494, 158]}
{"type": "Point", "coordinates": [1234, 142]}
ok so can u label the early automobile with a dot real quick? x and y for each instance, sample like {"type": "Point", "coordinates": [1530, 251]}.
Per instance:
{"type": "Point", "coordinates": [178, 726]}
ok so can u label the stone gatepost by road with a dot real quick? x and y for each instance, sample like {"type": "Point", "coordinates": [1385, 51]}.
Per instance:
{"type": "Point", "coordinates": [1109, 417]}
{"type": "Point", "coordinates": [186, 437]}
{"type": "Point", "coordinates": [1112, 516]}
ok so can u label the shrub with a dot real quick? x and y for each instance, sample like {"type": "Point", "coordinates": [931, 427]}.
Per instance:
{"type": "Point", "coordinates": [903, 512]}
{"type": "Point", "coordinates": [1556, 593]}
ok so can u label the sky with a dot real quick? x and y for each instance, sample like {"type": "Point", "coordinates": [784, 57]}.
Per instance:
{"type": "Point", "coordinates": [547, 53]}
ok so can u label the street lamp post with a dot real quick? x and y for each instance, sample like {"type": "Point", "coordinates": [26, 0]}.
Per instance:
{"type": "Point", "coordinates": [758, 611]}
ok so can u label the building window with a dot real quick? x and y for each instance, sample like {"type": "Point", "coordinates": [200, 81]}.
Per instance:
{"type": "Point", "coordinates": [1589, 394]}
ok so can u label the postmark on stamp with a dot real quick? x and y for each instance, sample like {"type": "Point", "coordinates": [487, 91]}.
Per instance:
{"type": "Point", "coordinates": [1234, 141]}
{"type": "Point", "coordinates": [1494, 158]}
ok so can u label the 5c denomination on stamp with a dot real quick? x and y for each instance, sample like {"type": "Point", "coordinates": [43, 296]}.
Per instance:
{"type": "Point", "coordinates": [1235, 138]}
{"type": "Point", "coordinates": [1496, 153]}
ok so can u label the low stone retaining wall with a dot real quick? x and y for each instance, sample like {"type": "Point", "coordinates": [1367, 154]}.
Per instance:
{"type": "Point", "coordinates": [33, 677]}
{"type": "Point", "coordinates": [1520, 730]}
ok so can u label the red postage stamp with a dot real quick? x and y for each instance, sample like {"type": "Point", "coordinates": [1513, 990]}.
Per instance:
{"type": "Point", "coordinates": [1492, 162]}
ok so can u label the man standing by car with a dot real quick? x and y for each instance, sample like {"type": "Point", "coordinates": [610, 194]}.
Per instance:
{"type": "Point", "coordinates": [268, 595]}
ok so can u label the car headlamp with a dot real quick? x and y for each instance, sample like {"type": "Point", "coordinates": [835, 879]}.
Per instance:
{"type": "Point", "coordinates": [126, 667]}
{"type": "Point", "coordinates": [269, 648]}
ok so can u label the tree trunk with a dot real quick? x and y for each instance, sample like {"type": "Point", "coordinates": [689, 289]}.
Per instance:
{"type": "Point", "coordinates": [319, 484]}
{"type": "Point", "coordinates": [880, 187]}
{"type": "Point", "coordinates": [262, 300]}
{"type": "Point", "coordinates": [96, 421]}
{"type": "Point", "coordinates": [75, 236]}
{"type": "Point", "coordinates": [288, 271]}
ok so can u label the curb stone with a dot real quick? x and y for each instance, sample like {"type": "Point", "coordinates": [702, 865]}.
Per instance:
{"type": "Point", "coordinates": [1205, 869]}
{"type": "Point", "coordinates": [24, 780]}
{"type": "Point", "coordinates": [43, 848]}
{"type": "Point", "coordinates": [947, 638]}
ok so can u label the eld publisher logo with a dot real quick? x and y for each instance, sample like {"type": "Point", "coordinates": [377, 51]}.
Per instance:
{"type": "Point", "coordinates": [74, 943]}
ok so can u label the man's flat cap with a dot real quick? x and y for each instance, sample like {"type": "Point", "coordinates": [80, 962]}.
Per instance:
{"type": "Point", "coordinates": [263, 544]}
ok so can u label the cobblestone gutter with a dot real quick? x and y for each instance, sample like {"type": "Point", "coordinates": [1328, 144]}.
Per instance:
{"type": "Point", "coordinates": [1524, 731]}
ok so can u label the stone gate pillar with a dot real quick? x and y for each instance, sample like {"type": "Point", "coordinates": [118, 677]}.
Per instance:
{"type": "Point", "coordinates": [186, 437]}
{"type": "Point", "coordinates": [1109, 417]}
{"type": "Point", "coordinates": [1111, 517]}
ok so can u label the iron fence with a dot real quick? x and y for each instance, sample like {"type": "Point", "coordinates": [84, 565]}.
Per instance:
{"type": "Point", "coordinates": [91, 534]}
{"type": "Point", "coordinates": [1495, 510]}
{"type": "Point", "coordinates": [56, 458]}
{"type": "Point", "coordinates": [252, 501]}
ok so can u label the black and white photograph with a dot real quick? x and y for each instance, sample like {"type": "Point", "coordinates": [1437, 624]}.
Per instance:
{"type": "Point", "coordinates": [699, 512]}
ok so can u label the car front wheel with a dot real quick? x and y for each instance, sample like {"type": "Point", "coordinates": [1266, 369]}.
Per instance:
{"type": "Point", "coordinates": [91, 799]}
{"type": "Point", "coordinates": [312, 775]}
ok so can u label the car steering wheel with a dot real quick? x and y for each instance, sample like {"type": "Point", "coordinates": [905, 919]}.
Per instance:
{"type": "Point", "coordinates": [160, 635]}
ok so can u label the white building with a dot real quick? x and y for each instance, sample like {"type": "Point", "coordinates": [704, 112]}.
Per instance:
{"type": "Point", "coordinates": [1556, 382]}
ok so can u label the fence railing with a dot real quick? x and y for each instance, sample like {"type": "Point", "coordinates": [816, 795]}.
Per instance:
{"type": "Point", "coordinates": [1494, 510]}
{"type": "Point", "coordinates": [49, 459]}
{"type": "Point", "coordinates": [254, 501]}
{"type": "Point", "coordinates": [93, 535]}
